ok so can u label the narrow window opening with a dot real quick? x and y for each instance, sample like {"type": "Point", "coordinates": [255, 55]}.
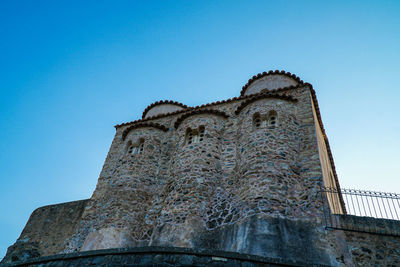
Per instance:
{"type": "Point", "coordinates": [136, 148]}
{"type": "Point", "coordinates": [190, 137]}
{"type": "Point", "coordinates": [257, 120]}
{"type": "Point", "coordinates": [201, 133]}
{"type": "Point", "coordinates": [195, 136]}
{"type": "Point", "coordinates": [141, 147]}
{"type": "Point", "coordinates": [272, 118]}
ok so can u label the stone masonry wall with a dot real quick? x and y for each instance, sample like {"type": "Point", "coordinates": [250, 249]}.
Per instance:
{"type": "Point", "coordinates": [196, 171]}
{"type": "Point", "coordinates": [373, 249]}
{"type": "Point", "coordinates": [127, 195]}
{"type": "Point", "coordinates": [175, 194]}
{"type": "Point", "coordinates": [47, 230]}
{"type": "Point", "coordinates": [268, 159]}
{"type": "Point", "coordinates": [250, 192]}
{"type": "Point", "coordinates": [373, 242]}
{"type": "Point", "coordinates": [242, 189]}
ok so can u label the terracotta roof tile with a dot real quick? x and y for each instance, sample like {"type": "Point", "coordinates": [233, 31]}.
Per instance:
{"type": "Point", "coordinates": [142, 125]}
{"type": "Point", "coordinates": [162, 102]}
{"type": "Point", "coordinates": [278, 90]}
{"type": "Point", "coordinates": [260, 75]}
{"type": "Point", "coordinates": [261, 96]}
{"type": "Point", "coordinates": [197, 112]}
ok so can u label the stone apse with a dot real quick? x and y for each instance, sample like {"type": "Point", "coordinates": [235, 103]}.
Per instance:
{"type": "Point", "coordinates": [240, 176]}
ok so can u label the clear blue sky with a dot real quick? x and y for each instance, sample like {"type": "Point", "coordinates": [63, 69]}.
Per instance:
{"type": "Point", "coordinates": [71, 70]}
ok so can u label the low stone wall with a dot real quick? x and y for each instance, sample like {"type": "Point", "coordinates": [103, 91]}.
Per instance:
{"type": "Point", "coordinates": [45, 230]}
{"type": "Point", "coordinates": [381, 248]}
{"type": "Point", "coordinates": [158, 256]}
{"type": "Point", "coordinates": [366, 224]}
{"type": "Point", "coordinates": [280, 239]}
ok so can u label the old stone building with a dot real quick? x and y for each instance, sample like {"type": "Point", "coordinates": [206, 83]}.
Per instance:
{"type": "Point", "coordinates": [232, 183]}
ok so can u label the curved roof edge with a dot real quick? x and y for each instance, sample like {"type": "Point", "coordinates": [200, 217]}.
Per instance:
{"type": "Point", "coordinates": [262, 96]}
{"type": "Point", "coordinates": [271, 72]}
{"type": "Point", "coordinates": [162, 102]}
{"type": "Point", "coordinates": [229, 100]}
{"type": "Point", "coordinates": [198, 112]}
{"type": "Point", "coordinates": [142, 125]}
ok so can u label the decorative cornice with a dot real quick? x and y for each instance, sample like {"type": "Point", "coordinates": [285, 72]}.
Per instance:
{"type": "Point", "coordinates": [229, 100]}
{"type": "Point", "coordinates": [198, 112]}
{"type": "Point", "coordinates": [162, 102]}
{"type": "Point", "coordinates": [142, 125]}
{"type": "Point", "coordinates": [260, 75]}
{"type": "Point", "coordinates": [262, 96]}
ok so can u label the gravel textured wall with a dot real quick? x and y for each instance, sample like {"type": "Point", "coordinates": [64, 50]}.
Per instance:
{"type": "Point", "coordinates": [47, 231]}
{"type": "Point", "coordinates": [238, 179]}
{"type": "Point", "coordinates": [241, 187]}
{"type": "Point", "coordinates": [379, 248]}
{"type": "Point", "coordinates": [238, 176]}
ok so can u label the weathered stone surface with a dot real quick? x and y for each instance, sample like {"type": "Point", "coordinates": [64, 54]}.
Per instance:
{"type": "Point", "coordinates": [47, 230]}
{"type": "Point", "coordinates": [159, 256]}
{"type": "Point", "coordinates": [107, 238]}
{"type": "Point", "coordinates": [265, 236]}
{"type": "Point", "coordinates": [239, 186]}
{"type": "Point", "coordinates": [22, 250]}
{"type": "Point", "coordinates": [368, 249]}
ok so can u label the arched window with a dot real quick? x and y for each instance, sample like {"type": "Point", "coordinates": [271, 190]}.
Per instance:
{"type": "Point", "coordinates": [257, 120]}
{"type": "Point", "coordinates": [132, 149]}
{"type": "Point", "coordinates": [190, 135]}
{"type": "Point", "coordinates": [201, 133]}
{"type": "Point", "coordinates": [136, 148]}
{"type": "Point", "coordinates": [272, 118]}
{"type": "Point", "coordinates": [141, 146]}
{"type": "Point", "coordinates": [195, 136]}
{"type": "Point", "coordinates": [129, 147]}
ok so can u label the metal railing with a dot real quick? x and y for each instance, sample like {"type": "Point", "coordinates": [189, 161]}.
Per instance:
{"type": "Point", "coordinates": [361, 209]}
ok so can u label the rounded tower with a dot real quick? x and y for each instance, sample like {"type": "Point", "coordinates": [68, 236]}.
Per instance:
{"type": "Point", "coordinates": [121, 212]}
{"type": "Point", "coordinates": [195, 169]}
{"type": "Point", "coordinates": [268, 147]}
